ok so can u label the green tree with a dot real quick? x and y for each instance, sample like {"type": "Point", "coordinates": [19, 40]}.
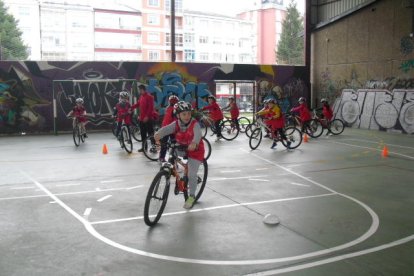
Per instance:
{"type": "Point", "coordinates": [11, 44]}
{"type": "Point", "coordinates": [290, 49]}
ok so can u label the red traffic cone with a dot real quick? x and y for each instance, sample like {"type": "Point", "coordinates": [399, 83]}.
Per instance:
{"type": "Point", "coordinates": [384, 152]}
{"type": "Point", "coordinates": [305, 138]}
{"type": "Point", "coordinates": [104, 149]}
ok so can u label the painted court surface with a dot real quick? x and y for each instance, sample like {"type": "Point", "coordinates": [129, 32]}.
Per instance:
{"type": "Point", "coordinates": [343, 209]}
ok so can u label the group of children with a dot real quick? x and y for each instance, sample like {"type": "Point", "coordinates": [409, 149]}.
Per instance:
{"type": "Point", "coordinates": [179, 124]}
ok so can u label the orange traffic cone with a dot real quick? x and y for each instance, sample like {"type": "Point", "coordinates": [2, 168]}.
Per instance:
{"type": "Point", "coordinates": [384, 152]}
{"type": "Point", "coordinates": [305, 138]}
{"type": "Point", "coordinates": [104, 149]}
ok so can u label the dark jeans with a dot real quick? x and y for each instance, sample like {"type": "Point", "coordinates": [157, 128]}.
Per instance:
{"type": "Point", "coordinates": [147, 129]}
{"type": "Point", "coordinates": [164, 146]}
{"type": "Point", "coordinates": [281, 132]}
{"type": "Point", "coordinates": [217, 128]}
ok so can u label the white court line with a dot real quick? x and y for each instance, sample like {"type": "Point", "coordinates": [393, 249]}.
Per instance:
{"type": "Point", "coordinates": [299, 184]}
{"type": "Point", "coordinates": [233, 178]}
{"type": "Point", "coordinates": [217, 208]}
{"type": "Point", "coordinates": [104, 198]}
{"type": "Point", "coordinates": [261, 169]}
{"type": "Point", "coordinates": [87, 212]}
{"type": "Point", "coordinates": [379, 143]}
{"type": "Point", "coordinates": [67, 185]}
{"type": "Point", "coordinates": [134, 187]}
{"type": "Point", "coordinates": [92, 231]}
{"type": "Point", "coordinates": [111, 181]}
{"type": "Point", "coordinates": [22, 188]}
{"type": "Point", "coordinates": [233, 171]}
{"type": "Point", "coordinates": [255, 179]}
{"type": "Point", "coordinates": [334, 259]}
{"type": "Point", "coordinates": [72, 193]}
{"type": "Point", "coordinates": [390, 152]}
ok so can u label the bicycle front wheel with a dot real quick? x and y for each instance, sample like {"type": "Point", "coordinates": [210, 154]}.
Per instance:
{"type": "Point", "coordinates": [294, 138]}
{"type": "Point", "coordinates": [243, 123]}
{"type": "Point", "coordinates": [76, 136]}
{"type": "Point", "coordinates": [207, 148]}
{"type": "Point", "coordinates": [314, 129]}
{"type": "Point", "coordinates": [255, 138]}
{"type": "Point", "coordinates": [336, 126]}
{"type": "Point", "coordinates": [157, 197]}
{"type": "Point", "coordinates": [127, 141]}
{"type": "Point", "coordinates": [229, 131]}
{"type": "Point", "coordinates": [151, 149]}
{"type": "Point", "coordinates": [202, 174]}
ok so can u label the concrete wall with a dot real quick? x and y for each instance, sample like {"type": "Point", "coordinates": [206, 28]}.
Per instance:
{"type": "Point", "coordinates": [371, 51]}
{"type": "Point", "coordinates": [29, 89]}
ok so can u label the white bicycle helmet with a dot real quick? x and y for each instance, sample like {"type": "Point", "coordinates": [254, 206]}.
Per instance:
{"type": "Point", "coordinates": [79, 101]}
{"type": "Point", "coordinates": [124, 95]}
{"type": "Point", "coordinates": [302, 100]}
{"type": "Point", "coordinates": [182, 106]}
{"type": "Point", "coordinates": [323, 100]}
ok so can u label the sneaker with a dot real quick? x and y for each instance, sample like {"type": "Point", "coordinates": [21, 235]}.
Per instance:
{"type": "Point", "coordinates": [141, 150]}
{"type": "Point", "coordinates": [273, 145]}
{"type": "Point", "coordinates": [218, 138]}
{"type": "Point", "coordinates": [288, 144]}
{"type": "Point", "coordinates": [189, 202]}
{"type": "Point", "coordinates": [85, 136]}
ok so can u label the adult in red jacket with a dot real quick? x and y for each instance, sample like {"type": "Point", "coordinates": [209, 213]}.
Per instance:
{"type": "Point", "coordinates": [304, 113]}
{"type": "Point", "coordinates": [216, 115]}
{"type": "Point", "coordinates": [146, 114]}
{"type": "Point", "coordinates": [169, 117]}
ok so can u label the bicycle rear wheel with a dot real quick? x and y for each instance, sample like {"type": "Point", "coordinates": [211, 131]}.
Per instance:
{"type": "Point", "coordinates": [294, 136]}
{"type": "Point", "coordinates": [127, 141]}
{"type": "Point", "coordinates": [255, 138]}
{"type": "Point", "coordinates": [207, 148]}
{"type": "Point", "coordinates": [229, 131]}
{"type": "Point", "coordinates": [136, 133]}
{"type": "Point", "coordinates": [243, 123]}
{"type": "Point", "coordinates": [151, 149]}
{"type": "Point", "coordinates": [202, 174]}
{"type": "Point", "coordinates": [336, 126]}
{"type": "Point", "coordinates": [76, 136]}
{"type": "Point", "coordinates": [157, 197]}
{"type": "Point", "coordinates": [315, 128]}
{"type": "Point", "coordinates": [81, 134]}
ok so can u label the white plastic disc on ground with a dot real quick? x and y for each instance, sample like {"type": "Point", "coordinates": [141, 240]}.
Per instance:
{"type": "Point", "coordinates": [271, 219]}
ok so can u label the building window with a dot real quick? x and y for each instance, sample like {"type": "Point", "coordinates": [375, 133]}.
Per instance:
{"type": "Point", "coordinates": [153, 19]}
{"type": "Point", "coordinates": [153, 3]}
{"type": "Point", "coordinates": [178, 40]}
{"type": "Point", "coordinates": [216, 40]}
{"type": "Point", "coordinates": [154, 37]}
{"type": "Point", "coordinates": [203, 39]}
{"type": "Point", "coordinates": [189, 39]}
{"type": "Point", "coordinates": [217, 57]}
{"type": "Point", "coordinates": [204, 56]}
{"type": "Point", "coordinates": [153, 55]}
{"type": "Point", "coordinates": [189, 55]}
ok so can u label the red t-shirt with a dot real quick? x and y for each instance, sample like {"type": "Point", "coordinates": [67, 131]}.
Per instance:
{"type": "Point", "coordinates": [215, 111]}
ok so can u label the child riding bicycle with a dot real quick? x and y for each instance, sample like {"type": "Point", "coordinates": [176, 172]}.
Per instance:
{"type": "Point", "coordinates": [79, 113]}
{"type": "Point", "coordinates": [274, 119]}
{"type": "Point", "coordinates": [188, 133]}
{"type": "Point", "coordinates": [234, 111]}
{"type": "Point", "coordinates": [304, 113]}
{"type": "Point", "coordinates": [123, 113]}
{"type": "Point", "coordinates": [216, 115]}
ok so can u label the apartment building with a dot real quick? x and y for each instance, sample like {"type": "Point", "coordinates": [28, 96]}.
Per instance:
{"type": "Point", "coordinates": [88, 30]}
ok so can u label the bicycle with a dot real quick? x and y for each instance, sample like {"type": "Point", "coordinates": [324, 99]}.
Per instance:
{"type": "Point", "coordinates": [152, 149]}
{"type": "Point", "coordinates": [314, 128]}
{"type": "Point", "coordinates": [77, 133]}
{"type": "Point", "coordinates": [135, 129]}
{"type": "Point", "coordinates": [293, 135]}
{"type": "Point", "coordinates": [125, 138]}
{"type": "Point", "coordinates": [227, 127]}
{"type": "Point", "coordinates": [159, 189]}
{"type": "Point", "coordinates": [335, 126]}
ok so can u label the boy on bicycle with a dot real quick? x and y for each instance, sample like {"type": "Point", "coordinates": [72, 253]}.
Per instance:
{"type": "Point", "coordinates": [274, 119]}
{"type": "Point", "coordinates": [169, 117]}
{"type": "Point", "coordinates": [187, 132]}
{"type": "Point", "coordinates": [215, 114]}
{"type": "Point", "coordinates": [79, 113]}
{"type": "Point", "coordinates": [304, 113]}
{"type": "Point", "coordinates": [327, 113]}
{"type": "Point", "coordinates": [234, 111]}
{"type": "Point", "coordinates": [123, 113]}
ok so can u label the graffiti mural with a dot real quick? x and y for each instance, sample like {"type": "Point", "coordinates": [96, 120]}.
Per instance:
{"type": "Point", "coordinates": [37, 96]}
{"type": "Point", "coordinates": [377, 109]}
